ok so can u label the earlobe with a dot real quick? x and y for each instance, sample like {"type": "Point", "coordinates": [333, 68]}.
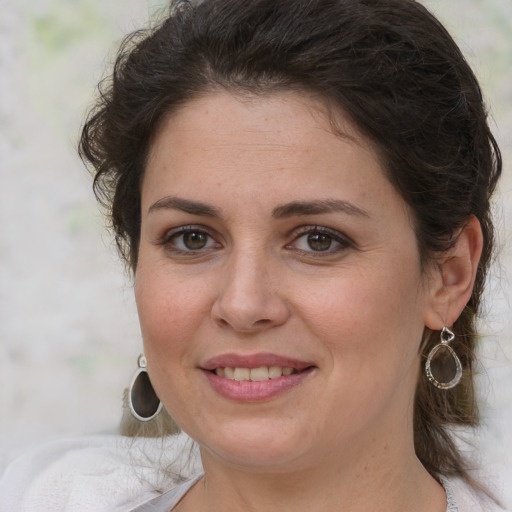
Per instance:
{"type": "Point", "coordinates": [452, 285]}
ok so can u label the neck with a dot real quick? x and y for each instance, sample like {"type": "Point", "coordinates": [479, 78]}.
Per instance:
{"type": "Point", "coordinates": [384, 479]}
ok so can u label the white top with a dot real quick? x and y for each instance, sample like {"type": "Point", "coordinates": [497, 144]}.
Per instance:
{"type": "Point", "coordinates": [120, 474]}
{"type": "Point", "coordinates": [459, 498]}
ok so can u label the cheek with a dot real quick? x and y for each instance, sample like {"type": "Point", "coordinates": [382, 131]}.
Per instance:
{"type": "Point", "coordinates": [371, 328]}
{"type": "Point", "coordinates": [370, 318]}
{"type": "Point", "coordinates": [164, 301]}
{"type": "Point", "coordinates": [157, 308]}
{"type": "Point", "coordinates": [164, 315]}
{"type": "Point", "coordinates": [173, 312]}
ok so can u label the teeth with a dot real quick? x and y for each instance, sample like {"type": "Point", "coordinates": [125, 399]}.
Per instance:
{"type": "Point", "coordinates": [254, 374]}
{"type": "Point", "coordinates": [274, 372]}
{"type": "Point", "coordinates": [260, 373]}
{"type": "Point", "coordinates": [242, 374]}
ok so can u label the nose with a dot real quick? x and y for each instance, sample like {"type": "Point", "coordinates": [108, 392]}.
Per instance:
{"type": "Point", "coordinates": [249, 298]}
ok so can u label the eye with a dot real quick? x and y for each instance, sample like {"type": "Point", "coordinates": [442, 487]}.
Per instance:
{"type": "Point", "coordinates": [319, 240]}
{"type": "Point", "coordinates": [189, 239]}
{"type": "Point", "coordinates": [193, 240]}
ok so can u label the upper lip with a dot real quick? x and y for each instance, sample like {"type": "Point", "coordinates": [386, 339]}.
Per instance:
{"type": "Point", "coordinates": [233, 360]}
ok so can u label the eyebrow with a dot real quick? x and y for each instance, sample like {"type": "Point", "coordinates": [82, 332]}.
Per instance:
{"type": "Point", "coordinates": [185, 205]}
{"type": "Point", "coordinates": [317, 207]}
{"type": "Point", "coordinates": [294, 208]}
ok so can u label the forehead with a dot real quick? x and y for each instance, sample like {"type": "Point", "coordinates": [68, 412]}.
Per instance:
{"type": "Point", "coordinates": [227, 133]}
{"type": "Point", "coordinates": [248, 109]}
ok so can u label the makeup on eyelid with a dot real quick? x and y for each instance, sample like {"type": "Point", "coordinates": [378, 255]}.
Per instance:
{"type": "Point", "coordinates": [314, 239]}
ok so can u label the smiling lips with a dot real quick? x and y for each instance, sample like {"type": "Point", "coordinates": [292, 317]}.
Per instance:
{"type": "Point", "coordinates": [254, 378]}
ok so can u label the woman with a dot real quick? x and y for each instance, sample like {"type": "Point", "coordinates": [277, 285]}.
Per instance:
{"type": "Point", "coordinates": [301, 189]}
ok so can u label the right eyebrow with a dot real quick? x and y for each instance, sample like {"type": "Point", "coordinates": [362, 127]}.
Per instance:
{"type": "Point", "coordinates": [317, 207]}
{"type": "Point", "coordinates": [185, 205]}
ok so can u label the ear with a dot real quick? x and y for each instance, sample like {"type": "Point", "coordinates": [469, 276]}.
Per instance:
{"type": "Point", "coordinates": [452, 279]}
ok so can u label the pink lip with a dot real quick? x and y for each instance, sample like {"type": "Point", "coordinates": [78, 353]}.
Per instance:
{"type": "Point", "coordinates": [253, 361]}
{"type": "Point", "coordinates": [248, 391]}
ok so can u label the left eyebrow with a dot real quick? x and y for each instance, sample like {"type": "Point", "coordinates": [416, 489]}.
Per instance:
{"type": "Point", "coordinates": [185, 205]}
{"type": "Point", "coordinates": [317, 207]}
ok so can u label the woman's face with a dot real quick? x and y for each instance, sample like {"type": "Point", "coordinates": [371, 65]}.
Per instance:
{"type": "Point", "coordinates": [278, 285]}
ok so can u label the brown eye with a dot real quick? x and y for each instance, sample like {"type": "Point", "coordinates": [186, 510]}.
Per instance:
{"type": "Point", "coordinates": [195, 240]}
{"type": "Point", "coordinates": [189, 240]}
{"type": "Point", "coordinates": [319, 241]}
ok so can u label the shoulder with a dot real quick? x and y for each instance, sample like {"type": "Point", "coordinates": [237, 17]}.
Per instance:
{"type": "Point", "coordinates": [98, 473]}
{"type": "Point", "coordinates": [469, 500]}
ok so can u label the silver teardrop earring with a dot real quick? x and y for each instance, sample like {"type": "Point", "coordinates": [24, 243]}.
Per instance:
{"type": "Point", "coordinates": [143, 402]}
{"type": "Point", "coordinates": [443, 367]}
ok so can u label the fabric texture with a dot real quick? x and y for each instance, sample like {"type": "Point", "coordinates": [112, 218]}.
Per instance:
{"type": "Point", "coordinates": [166, 502]}
{"type": "Point", "coordinates": [97, 474]}
{"type": "Point", "coordinates": [120, 474]}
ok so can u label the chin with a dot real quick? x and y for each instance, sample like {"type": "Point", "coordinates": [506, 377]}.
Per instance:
{"type": "Point", "coordinates": [255, 446]}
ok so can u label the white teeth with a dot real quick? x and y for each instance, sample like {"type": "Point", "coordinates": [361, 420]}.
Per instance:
{"type": "Point", "coordinates": [242, 374]}
{"type": "Point", "coordinates": [260, 373]}
{"type": "Point", "coordinates": [274, 372]}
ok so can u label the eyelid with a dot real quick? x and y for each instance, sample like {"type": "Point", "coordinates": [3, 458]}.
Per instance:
{"type": "Point", "coordinates": [343, 240]}
{"type": "Point", "coordinates": [167, 237]}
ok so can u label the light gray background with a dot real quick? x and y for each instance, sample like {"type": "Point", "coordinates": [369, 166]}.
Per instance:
{"type": "Point", "coordinates": [69, 336]}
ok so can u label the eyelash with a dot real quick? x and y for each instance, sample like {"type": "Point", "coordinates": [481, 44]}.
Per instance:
{"type": "Point", "coordinates": [169, 241]}
{"type": "Point", "coordinates": [342, 242]}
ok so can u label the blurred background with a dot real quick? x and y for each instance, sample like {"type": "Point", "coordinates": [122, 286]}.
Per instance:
{"type": "Point", "coordinates": [69, 337]}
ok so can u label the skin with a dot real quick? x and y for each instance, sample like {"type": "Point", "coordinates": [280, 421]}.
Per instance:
{"type": "Point", "coordinates": [341, 439]}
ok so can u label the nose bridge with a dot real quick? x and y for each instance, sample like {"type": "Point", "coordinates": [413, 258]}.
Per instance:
{"type": "Point", "coordinates": [248, 299]}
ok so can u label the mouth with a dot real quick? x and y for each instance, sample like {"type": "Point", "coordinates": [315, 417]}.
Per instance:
{"type": "Point", "coordinates": [257, 377]}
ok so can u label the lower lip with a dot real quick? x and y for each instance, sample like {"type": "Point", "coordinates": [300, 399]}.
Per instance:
{"type": "Point", "coordinates": [249, 391]}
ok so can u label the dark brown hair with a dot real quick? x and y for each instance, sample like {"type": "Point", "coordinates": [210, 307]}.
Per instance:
{"type": "Point", "coordinates": [388, 64]}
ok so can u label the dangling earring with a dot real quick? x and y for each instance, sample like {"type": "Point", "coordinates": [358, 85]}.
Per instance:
{"type": "Point", "coordinates": [143, 402]}
{"type": "Point", "coordinates": [443, 367]}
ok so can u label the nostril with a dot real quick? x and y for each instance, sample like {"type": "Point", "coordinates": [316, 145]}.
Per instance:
{"type": "Point", "coordinates": [258, 323]}
{"type": "Point", "coordinates": [222, 322]}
